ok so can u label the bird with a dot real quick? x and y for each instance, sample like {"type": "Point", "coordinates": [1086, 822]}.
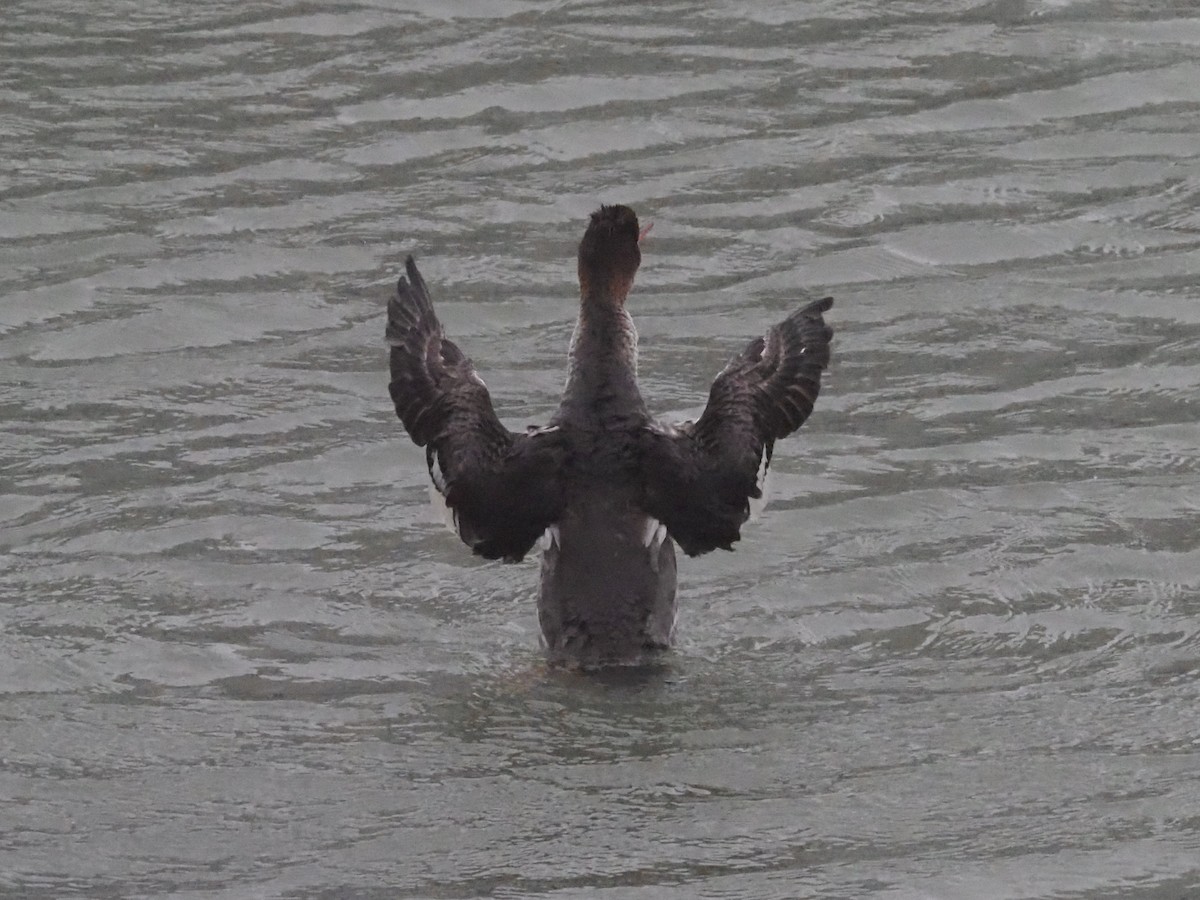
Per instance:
{"type": "Point", "coordinates": [604, 490]}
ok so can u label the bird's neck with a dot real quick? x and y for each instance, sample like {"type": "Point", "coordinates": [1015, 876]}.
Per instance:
{"type": "Point", "coordinates": [602, 369]}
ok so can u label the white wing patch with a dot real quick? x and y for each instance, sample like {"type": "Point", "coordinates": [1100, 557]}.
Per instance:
{"type": "Point", "coordinates": [437, 473]}
{"type": "Point", "coordinates": [550, 539]}
{"type": "Point", "coordinates": [437, 490]}
{"type": "Point", "coordinates": [654, 533]}
{"type": "Point", "coordinates": [762, 481]}
{"type": "Point", "coordinates": [440, 511]}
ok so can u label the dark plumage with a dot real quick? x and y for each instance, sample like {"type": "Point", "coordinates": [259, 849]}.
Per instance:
{"type": "Point", "coordinates": [607, 489]}
{"type": "Point", "coordinates": [504, 489]}
{"type": "Point", "coordinates": [699, 478]}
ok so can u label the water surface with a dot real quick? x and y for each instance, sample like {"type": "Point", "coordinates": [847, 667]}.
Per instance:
{"type": "Point", "coordinates": [958, 658]}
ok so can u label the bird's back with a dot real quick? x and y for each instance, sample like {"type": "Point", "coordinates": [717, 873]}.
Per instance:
{"type": "Point", "coordinates": [608, 576]}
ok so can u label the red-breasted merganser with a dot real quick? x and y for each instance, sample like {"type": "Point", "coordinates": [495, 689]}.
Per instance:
{"type": "Point", "coordinates": [604, 490]}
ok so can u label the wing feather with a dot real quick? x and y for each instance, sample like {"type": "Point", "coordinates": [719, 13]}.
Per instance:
{"type": "Point", "coordinates": [699, 479]}
{"type": "Point", "coordinates": [504, 489]}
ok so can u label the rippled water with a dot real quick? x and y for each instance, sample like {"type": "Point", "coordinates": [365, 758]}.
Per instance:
{"type": "Point", "coordinates": [958, 658]}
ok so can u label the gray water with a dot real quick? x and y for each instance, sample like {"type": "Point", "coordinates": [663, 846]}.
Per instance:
{"type": "Point", "coordinates": [959, 657]}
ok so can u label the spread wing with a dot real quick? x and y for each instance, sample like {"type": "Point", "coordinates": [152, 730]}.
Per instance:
{"type": "Point", "coordinates": [699, 478]}
{"type": "Point", "coordinates": [504, 489]}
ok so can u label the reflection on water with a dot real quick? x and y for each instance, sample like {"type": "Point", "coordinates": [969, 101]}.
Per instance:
{"type": "Point", "coordinates": [958, 657]}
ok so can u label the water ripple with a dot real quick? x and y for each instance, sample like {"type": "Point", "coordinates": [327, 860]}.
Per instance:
{"type": "Point", "coordinates": [957, 657]}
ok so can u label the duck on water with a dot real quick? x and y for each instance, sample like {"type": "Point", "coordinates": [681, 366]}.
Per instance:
{"type": "Point", "coordinates": [604, 489]}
